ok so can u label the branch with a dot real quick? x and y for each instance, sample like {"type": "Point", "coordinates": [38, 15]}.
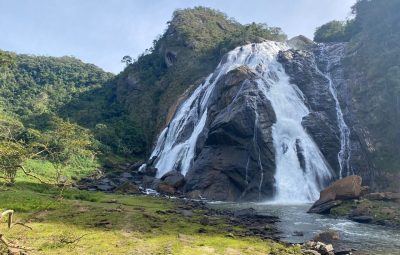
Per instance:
{"type": "Point", "coordinates": [28, 173]}
{"type": "Point", "coordinates": [66, 241]}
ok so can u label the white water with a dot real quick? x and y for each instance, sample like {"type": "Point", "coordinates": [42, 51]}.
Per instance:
{"type": "Point", "coordinates": [293, 184]}
{"type": "Point", "coordinates": [344, 154]}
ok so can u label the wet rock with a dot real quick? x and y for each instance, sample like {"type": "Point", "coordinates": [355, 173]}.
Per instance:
{"type": "Point", "coordinates": [135, 166]}
{"type": "Point", "coordinates": [327, 236]}
{"type": "Point", "coordinates": [321, 123]}
{"type": "Point", "coordinates": [325, 207]}
{"type": "Point", "coordinates": [236, 138]}
{"type": "Point", "coordinates": [362, 219]}
{"type": "Point", "coordinates": [298, 233]}
{"type": "Point", "coordinates": [150, 171]}
{"type": "Point", "coordinates": [174, 179]}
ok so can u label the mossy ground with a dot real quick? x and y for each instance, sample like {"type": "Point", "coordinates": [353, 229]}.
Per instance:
{"type": "Point", "coordinates": [82, 222]}
{"type": "Point", "coordinates": [383, 212]}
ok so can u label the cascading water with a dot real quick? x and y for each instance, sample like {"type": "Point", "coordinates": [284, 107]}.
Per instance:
{"type": "Point", "coordinates": [331, 60]}
{"type": "Point", "coordinates": [300, 167]}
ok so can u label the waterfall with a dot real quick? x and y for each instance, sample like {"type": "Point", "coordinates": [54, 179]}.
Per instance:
{"type": "Point", "coordinates": [300, 166]}
{"type": "Point", "coordinates": [333, 59]}
{"type": "Point", "coordinates": [295, 182]}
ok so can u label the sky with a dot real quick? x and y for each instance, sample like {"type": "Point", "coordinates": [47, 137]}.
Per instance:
{"type": "Point", "coordinates": [103, 31]}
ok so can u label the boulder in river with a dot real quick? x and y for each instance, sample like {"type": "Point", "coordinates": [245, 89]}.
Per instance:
{"type": "Point", "coordinates": [343, 189]}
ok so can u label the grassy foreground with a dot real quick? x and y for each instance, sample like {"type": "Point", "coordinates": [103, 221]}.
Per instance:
{"type": "Point", "coordinates": [82, 222]}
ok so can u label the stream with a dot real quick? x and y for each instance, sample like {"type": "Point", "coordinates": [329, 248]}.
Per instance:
{"type": "Point", "coordinates": [367, 239]}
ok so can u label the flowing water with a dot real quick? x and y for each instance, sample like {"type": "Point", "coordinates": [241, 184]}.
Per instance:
{"type": "Point", "coordinates": [301, 170]}
{"type": "Point", "coordinates": [367, 239]}
{"type": "Point", "coordinates": [332, 56]}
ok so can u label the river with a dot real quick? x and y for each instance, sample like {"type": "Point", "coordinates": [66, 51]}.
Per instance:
{"type": "Point", "coordinates": [367, 239]}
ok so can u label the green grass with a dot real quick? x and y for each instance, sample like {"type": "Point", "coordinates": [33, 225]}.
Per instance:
{"type": "Point", "coordinates": [83, 222]}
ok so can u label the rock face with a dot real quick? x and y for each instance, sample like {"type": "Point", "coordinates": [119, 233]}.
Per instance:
{"type": "Point", "coordinates": [343, 189]}
{"type": "Point", "coordinates": [321, 123]}
{"type": "Point", "coordinates": [227, 165]}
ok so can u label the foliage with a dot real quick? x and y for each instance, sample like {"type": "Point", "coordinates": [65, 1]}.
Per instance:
{"type": "Point", "coordinates": [191, 47]}
{"type": "Point", "coordinates": [32, 92]}
{"type": "Point", "coordinates": [374, 61]}
{"type": "Point", "coordinates": [334, 31]}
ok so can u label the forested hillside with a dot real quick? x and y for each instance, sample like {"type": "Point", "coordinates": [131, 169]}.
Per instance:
{"type": "Point", "coordinates": [373, 71]}
{"type": "Point", "coordinates": [34, 135]}
{"type": "Point", "coordinates": [191, 47]}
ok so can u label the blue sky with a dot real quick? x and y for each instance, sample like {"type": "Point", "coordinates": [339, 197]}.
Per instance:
{"type": "Point", "coordinates": [103, 31]}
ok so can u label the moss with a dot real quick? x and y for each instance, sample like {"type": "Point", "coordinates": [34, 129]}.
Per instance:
{"type": "Point", "coordinates": [382, 212]}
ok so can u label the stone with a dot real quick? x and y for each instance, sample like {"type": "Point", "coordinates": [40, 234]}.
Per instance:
{"type": "Point", "coordinates": [128, 188]}
{"type": "Point", "coordinates": [325, 207]}
{"type": "Point", "coordinates": [362, 219]}
{"type": "Point", "coordinates": [195, 194]}
{"type": "Point", "coordinates": [135, 166]}
{"type": "Point", "coordinates": [383, 196]}
{"type": "Point", "coordinates": [104, 187]}
{"type": "Point", "coordinates": [343, 189]}
{"type": "Point", "coordinates": [166, 189]}
{"type": "Point", "coordinates": [150, 182]}
{"type": "Point", "coordinates": [298, 233]}
{"type": "Point", "coordinates": [327, 236]}
{"type": "Point", "coordinates": [187, 213]}
{"type": "Point", "coordinates": [174, 179]}
{"type": "Point", "coordinates": [327, 249]}
{"type": "Point", "coordinates": [150, 171]}
{"type": "Point", "coordinates": [311, 252]}
{"type": "Point", "coordinates": [126, 175]}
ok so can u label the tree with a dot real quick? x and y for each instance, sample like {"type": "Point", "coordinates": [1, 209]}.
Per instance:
{"type": "Point", "coordinates": [127, 60]}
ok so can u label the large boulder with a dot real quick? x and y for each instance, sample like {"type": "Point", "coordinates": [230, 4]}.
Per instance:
{"type": "Point", "coordinates": [235, 153]}
{"type": "Point", "coordinates": [343, 189]}
{"type": "Point", "coordinates": [174, 179]}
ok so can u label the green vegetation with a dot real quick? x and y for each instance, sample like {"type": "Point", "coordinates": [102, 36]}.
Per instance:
{"type": "Point", "coordinates": [382, 212]}
{"type": "Point", "coordinates": [33, 134]}
{"type": "Point", "coordinates": [373, 68]}
{"type": "Point", "coordinates": [335, 31]}
{"type": "Point", "coordinates": [374, 61]}
{"type": "Point", "coordinates": [189, 50]}
{"type": "Point", "coordinates": [97, 223]}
